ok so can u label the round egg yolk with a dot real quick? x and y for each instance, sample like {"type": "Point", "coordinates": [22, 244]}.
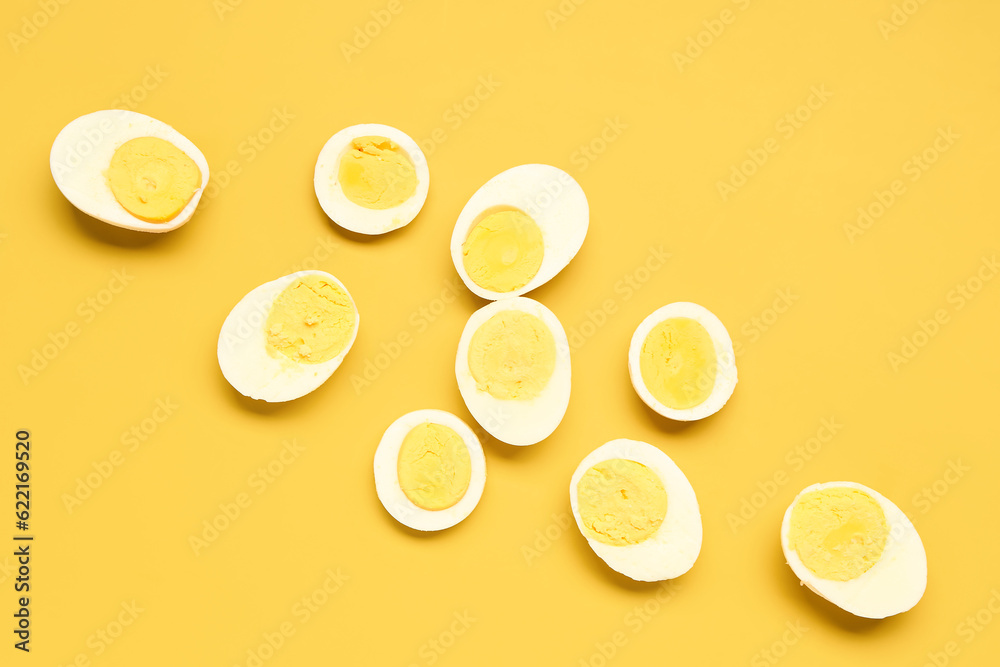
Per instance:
{"type": "Point", "coordinates": [838, 533]}
{"type": "Point", "coordinates": [152, 179]}
{"type": "Point", "coordinates": [678, 363]}
{"type": "Point", "coordinates": [621, 502]}
{"type": "Point", "coordinates": [433, 467]}
{"type": "Point", "coordinates": [512, 355]}
{"type": "Point", "coordinates": [503, 251]}
{"type": "Point", "coordinates": [310, 321]}
{"type": "Point", "coordinates": [375, 173]}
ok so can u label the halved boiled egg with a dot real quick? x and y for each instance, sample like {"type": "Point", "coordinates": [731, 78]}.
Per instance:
{"type": "Point", "coordinates": [637, 510]}
{"type": "Point", "coordinates": [854, 547]}
{"type": "Point", "coordinates": [371, 179]}
{"type": "Point", "coordinates": [429, 470]}
{"type": "Point", "coordinates": [513, 370]}
{"type": "Point", "coordinates": [286, 337]}
{"type": "Point", "coordinates": [129, 170]}
{"type": "Point", "coordinates": [681, 362]}
{"type": "Point", "coordinates": [519, 230]}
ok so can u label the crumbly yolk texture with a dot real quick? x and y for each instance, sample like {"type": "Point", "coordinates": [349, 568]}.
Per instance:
{"type": "Point", "coordinates": [678, 363]}
{"type": "Point", "coordinates": [621, 502]}
{"type": "Point", "coordinates": [503, 251]}
{"type": "Point", "coordinates": [152, 179]}
{"type": "Point", "coordinates": [310, 322]}
{"type": "Point", "coordinates": [838, 533]}
{"type": "Point", "coordinates": [433, 466]}
{"type": "Point", "coordinates": [375, 173]}
{"type": "Point", "coordinates": [512, 355]}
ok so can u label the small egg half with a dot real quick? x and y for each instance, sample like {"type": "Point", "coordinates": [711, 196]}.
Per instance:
{"type": "Point", "coordinates": [637, 510]}
{"type": "Point", "coordinates": [513, 370]}
{"type": "Point", "coordinates": [429, 470]}
{"type": "Point", "coordinates": [286, 337]}
{"type": "Point", "coordinates": [681, 362]}
{"type": "Point", "coordinates": [853, 546]}
{"type": "Point", "coordinates": [129, 170]}
{"type": "Point", "coordinates": [519, 230]}
{"type": "Point", "coordinates": [371, 179]}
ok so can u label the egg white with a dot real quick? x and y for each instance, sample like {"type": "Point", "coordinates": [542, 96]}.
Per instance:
{"type": "Point", "coordinates": [551, 197]}
{"type": "Point", "coordinates": [242, 348]}
{"type": "Point", "coordinates": [725, 375]}
{"type": "Point", "coordinates": [517, 422]}
{"type": "Point", "coordinates": [351, 216]}
{"type": "Point", "coordinates": [891, 586]}
{"type": "Point", "coordinates": [82, 152]}
{"type": "Point", "coordinates": [674, 548]}
{"type": "Point", "coordinates": [387, 477]}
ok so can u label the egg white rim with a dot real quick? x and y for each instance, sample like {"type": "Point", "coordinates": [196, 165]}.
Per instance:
{"type": "Point", "coordinates": [902, 543]}
{"type": "Point", "coordinates": [674, 548]}
{"type": "Point", "coordinates": [563, 219]}
{"type": "Point", "coordinates": [725, 375]}
{"type": "Point", "coordinates": [247, 319]}
{"type": "Point", "coordinates": [346, 213]}
{"type": "Point", "coordinates": [391, 495]}
{"type": "Point", "coordinates": [516, 422]}
{"type": "Point", "coordinates": [125, 126]}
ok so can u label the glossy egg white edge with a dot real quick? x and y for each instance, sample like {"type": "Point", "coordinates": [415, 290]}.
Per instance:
{"type": "Point", "coordinates": [387, 478]}
{"type": "Point", "coordinates": [82, 152]}
{"type": "Point", "coordinates": [553, 199]}
{"type": "Point", "coordinates": [725, 376]}
{"type": "Point", "coordinates": [891, 586]}
{"type": "Point", "coordinates": [517, 422]}
{"type": "Point", "coordinates": [674, 548]}
{"type": "Point", "coordinates": [346, 213]}
{"type": "Point", "coordinates": [242, 348]}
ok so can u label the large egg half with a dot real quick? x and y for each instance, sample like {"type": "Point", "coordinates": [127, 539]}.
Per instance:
{"type": "Point", "coordinates": [853, 546]}
{"type": "Point", "coordinates": [637, 510]}
{"type": "Point", "coordinates": [286, 337]}
{"type": "Point", "coordinates": [129, 170]}
{"type": "Point", "coordinates": [519, 230]}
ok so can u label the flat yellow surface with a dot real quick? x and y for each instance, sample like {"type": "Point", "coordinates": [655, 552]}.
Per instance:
{"type": "Point", "coordinates": [860, 356]}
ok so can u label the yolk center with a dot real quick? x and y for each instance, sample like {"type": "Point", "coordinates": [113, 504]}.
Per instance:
{"type": "Point", "coordinates": [433, 468]}
{"type": "Point", "coordinates": [503, 251]}
{"type": "Point", "coordinates": [678, 363]}
{"type": "Point", "coordinates": [512, 355]}
{"type": "Point", "coordinates": [621, 502]}
{"type": "Point", "coordinates": [310, 321]}
{"type": "Point", "coordinates": [152, 179]}
{"type": "Point", "coordinates": [375, 173]}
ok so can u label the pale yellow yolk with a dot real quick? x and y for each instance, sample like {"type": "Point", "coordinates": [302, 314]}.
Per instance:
{"type": "Point", "coordinates": [678, 363]}
{"type": "Point", "coordinates": [310, 322]}
{"type": "Point", "coordinates": [152, 179]}
{"type": "Point", "coordinates": [512, 355]}
{"type": "Point", "coordinates": [621, 502]}
{"type": "Point", "coordinates": [376, 173]}
{"type": "Point", "coordinates": [838, 533]}
{"type": "Point", "coordinates": [433, 466]}
{"type": "Point", "coordinates": [503, 251]}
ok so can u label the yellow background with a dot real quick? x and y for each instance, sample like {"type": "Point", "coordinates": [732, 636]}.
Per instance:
{"type": "Point", "coordinates": [656, 184]}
